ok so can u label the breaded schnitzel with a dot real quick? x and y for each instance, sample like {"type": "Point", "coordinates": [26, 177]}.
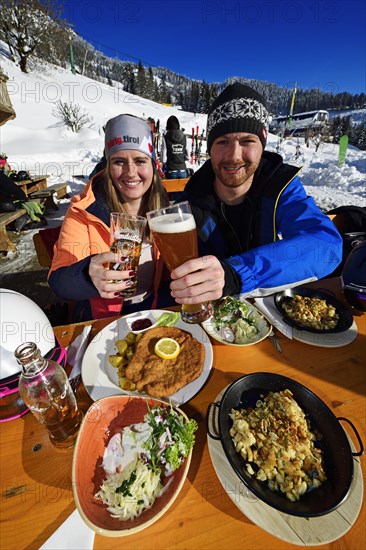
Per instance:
{"type": "Point", "coordinates": [162, 377]}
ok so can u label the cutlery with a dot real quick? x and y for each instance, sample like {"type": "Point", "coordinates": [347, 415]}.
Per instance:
{"type": "Point", "coordinates": [75, 382]}
{"type": "Point", "coordinates": [274, 339]}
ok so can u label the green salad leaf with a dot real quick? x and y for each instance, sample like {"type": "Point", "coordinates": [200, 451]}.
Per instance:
{"type": "Point", "coordinates": [171, 440]}
{"type": "Point", "coordinates": [168, 319]}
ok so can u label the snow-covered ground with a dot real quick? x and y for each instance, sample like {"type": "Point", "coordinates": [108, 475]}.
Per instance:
{"type": "Point", "coordinates": [38, 142]}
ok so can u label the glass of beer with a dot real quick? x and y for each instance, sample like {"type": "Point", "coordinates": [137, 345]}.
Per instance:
{"type": "Point", "coordinates": [174, 232]}
{"type": "Point", "coordinates": [127, 233]}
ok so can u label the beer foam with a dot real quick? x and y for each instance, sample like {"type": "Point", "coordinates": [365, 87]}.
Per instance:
{"type": "Point", "coordinates": [172, 223]}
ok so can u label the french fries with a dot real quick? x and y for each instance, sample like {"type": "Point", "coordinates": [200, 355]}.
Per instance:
{"type": "Point", "coordinates": [125, 350]}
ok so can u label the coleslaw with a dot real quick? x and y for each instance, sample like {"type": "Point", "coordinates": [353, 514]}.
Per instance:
{"type": "Point", "coordinates": [139, 458]}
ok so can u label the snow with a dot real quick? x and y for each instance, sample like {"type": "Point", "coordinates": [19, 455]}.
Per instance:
{"type": "Point", "coordinates": [40, 143]}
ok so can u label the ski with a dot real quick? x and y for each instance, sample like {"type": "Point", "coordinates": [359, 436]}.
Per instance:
{"type": "Point", "coordinates": [200, 147]}
{"type": "Point", "coordinates": [196, 145]}
{"type": "Point", "coordinates": [343, 144]}
{"type": "Point", "coordinates": [193, 160]}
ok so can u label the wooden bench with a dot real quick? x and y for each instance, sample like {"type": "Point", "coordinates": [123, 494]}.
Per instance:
{"type": "Point", "coordinates": [47, 195]}
{"type": "Point", "coordinates": [5, 219]}
{"type": "Point", "coordinates": [32, 185]}
{"type": "Point", "coordinates": [176, 185]}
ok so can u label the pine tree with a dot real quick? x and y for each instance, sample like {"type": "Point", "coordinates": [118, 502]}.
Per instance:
{"type": "Point", "coordinates": [141, 80]}
{"type": "Point", "coordinates": [164, 93]}
{"type": "Point", "coordinates": [204, 100]}
{"type": "Point", "coordinates": [128, 79]}
{"type": "Point", "coordinates": [150, 85]}
{"type": "Point", "coordinates": [156, 92]}
{"type": "Point", "coordinates": [194, 97]}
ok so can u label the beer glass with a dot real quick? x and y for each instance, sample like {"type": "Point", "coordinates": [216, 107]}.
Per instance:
{"type": "Point", "coordinates": [127, 233]}
{"type": "Point", "coordinates": [175, 234]}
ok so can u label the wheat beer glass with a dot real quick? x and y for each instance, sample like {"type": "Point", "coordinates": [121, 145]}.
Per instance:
{"type": "Point", "coordinates": [175, 234]}
{"type": "Point", "coordinates": [127, 234]}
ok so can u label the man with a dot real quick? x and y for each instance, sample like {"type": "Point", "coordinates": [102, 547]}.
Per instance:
{"type": "Point", "coordinates": [258, 230]}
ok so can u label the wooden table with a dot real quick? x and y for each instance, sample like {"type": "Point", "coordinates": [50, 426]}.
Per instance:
{"type": "Point", "coordinates": [36, 478]}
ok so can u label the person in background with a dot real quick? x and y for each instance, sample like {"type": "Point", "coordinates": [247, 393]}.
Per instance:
{"type": "Point", "coordinates": [12, 197]}
{"type": "Point", "coordinates": [174, 150]}
{"type": "Point", "coordinates": [151, 123]}
{"type": "Point", "coordinates": [9, 190]}
{"type": "Point", "coordinates": [258, 231]}
{"type": "Point", "coordinates": [5, 168]}
{"type": "Point", "coordinates": [155, 128]}
{"type": "Point", "coordinates": [129, 183]}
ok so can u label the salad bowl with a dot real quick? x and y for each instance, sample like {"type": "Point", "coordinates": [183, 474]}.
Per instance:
{"type": "Point", "coordinates": [236, 322]}
{"type": "Point", "coordinates": [104, 419]}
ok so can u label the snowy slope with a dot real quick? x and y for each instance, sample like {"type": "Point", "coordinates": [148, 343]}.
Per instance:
{"type": "Point", "coordinates": [38, 142]}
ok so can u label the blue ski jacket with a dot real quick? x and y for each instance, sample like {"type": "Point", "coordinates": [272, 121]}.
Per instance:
{"type": "Point", "coordinates": [275, 239]}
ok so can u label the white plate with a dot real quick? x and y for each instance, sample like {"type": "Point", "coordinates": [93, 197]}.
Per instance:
{"type": "Point", "coordinates": [263, 324]}
{"type": "Point", "coordinates": [101, 379]}
{"type": "Point", "coordinates": [332, 340]}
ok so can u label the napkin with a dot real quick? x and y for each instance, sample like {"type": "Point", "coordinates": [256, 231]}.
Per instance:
{"type": "Point", "coordinates": [76, 350]}
{"type": "Point", "coordinates": [73, 534]}
{"type": "Point", "coordinates": [267, 306]}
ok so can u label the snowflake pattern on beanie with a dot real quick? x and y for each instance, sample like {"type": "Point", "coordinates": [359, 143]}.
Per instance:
{"type": "Point", "coordinates": [238, 108]}
{"type": "Point", "coordinates": [242, 107]}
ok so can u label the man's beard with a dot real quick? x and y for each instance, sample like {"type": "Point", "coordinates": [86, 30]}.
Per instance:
{"type": "Point", "coordinates": [237, 179]}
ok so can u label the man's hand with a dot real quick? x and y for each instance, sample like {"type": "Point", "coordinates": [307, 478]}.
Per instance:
{"type": "Point", "coordinates": [109, 282]}
{"type": "Point", "coordinates": [199, 280]}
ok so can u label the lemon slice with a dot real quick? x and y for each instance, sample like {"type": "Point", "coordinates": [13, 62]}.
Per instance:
{"type": "Point", "coordinates": [167, 348]}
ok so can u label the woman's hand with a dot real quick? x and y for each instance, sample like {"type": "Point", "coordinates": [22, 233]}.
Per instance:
{"type": "Point", "coordinates": [199, 280]}
{"type": "Point", "coordinates": [109, 282]}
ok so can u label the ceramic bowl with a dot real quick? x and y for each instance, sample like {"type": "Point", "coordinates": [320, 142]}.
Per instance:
{"type": "Point", "coordinates": [139, 316]}
{"type": "Point", "coordinates": [103, 419]}
{"type": "Point", "coordinates": [263, 325]}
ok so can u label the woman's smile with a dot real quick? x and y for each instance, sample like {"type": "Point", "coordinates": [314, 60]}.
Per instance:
{"type": "Point", "coordinates": [132, 173]}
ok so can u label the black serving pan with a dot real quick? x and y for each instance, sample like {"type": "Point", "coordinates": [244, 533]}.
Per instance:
{"type": "Point", "coordinates": [345, 316]}
{"type": "Point", "coordinates": [337, 453]}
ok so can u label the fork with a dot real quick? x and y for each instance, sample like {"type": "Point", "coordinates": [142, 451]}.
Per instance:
{"type": "Point", "coordinates": [75, 382]}
{"type": "Point", "coordinates": [274, 340]}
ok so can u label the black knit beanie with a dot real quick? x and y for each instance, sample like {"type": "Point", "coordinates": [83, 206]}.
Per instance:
{"type": "Point", "coordinates": [238, 108]}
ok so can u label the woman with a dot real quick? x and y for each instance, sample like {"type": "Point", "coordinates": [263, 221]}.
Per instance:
{"type": "Point", "coordinates": [130, 183]}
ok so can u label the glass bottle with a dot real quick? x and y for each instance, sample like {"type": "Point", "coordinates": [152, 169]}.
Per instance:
{"type": "Point", "coordinates": [45, 389]}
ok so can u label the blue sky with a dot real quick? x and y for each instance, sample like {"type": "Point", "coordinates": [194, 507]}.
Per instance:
{"type": "Point", "coordinates": [318, 43]}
